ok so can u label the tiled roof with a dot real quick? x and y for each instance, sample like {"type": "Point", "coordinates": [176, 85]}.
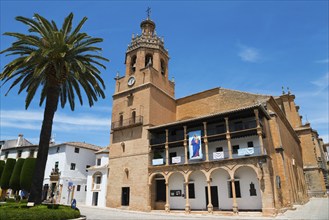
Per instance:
{"type": "Point", "coordinates": [212, 115]}
{"type": "Point", "coordinates": [10, 144]}
{"type": "Point", "coordinates": [103, 151]}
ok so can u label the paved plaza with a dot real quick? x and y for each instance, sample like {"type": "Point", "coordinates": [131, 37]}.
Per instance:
{"type": "Point", "coordinates": [316, 208]}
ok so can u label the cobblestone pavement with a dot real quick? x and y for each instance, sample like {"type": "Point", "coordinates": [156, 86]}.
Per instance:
{"type": "Point", "coordinates": [316, 208]}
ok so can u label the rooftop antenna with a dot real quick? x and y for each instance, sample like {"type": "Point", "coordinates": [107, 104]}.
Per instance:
{"type": "Point", "coordinates": [148, 11]}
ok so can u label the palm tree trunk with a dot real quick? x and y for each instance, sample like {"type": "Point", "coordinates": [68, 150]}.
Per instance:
{"type": "Point", "coordinates": [45, 135]}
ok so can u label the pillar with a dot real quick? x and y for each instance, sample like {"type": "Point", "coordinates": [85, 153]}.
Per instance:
{"type": "Point", "coordinates": [206, 140]}
{"type": "Point", "coordinates": [209, 206]}
{"type": "Point", "coordinates": [187, 204]}
{"type": "Point", "coordinates": [149, 205]}
{"type": "Point", "coordinates": [167, 148]}
{"type": "Point", "coordinates": [259, 132]}
{"type": "Point", "coordinates": [235, 204]}
{"type": "Point", "coordinates": [228, 138]}
{"type": "Point", "coordinates": [167, 206]}
{"type": "Point", "coordinates": [185, 145]}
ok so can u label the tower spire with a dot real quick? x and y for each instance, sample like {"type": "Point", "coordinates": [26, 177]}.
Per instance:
{"type": "Point", "coordinates": [148, 11]}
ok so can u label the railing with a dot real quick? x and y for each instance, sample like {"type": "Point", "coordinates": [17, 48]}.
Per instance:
{"type": "Point", "coordinates": [213, 156]}
{"type": "Point", "coordinates": [138, 120]}
{"type": "Point", "coordinates": [243, 126]}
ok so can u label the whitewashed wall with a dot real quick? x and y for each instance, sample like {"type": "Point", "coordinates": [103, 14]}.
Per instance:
{"type": "Point", "coordinates": [176, 182]}
{"type": "Point", "coordinates": [220, 179]}
{"type": "Point", "coordinates": [200, 182]}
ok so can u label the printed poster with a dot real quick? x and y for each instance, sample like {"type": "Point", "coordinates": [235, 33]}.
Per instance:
{"type": "Point", "coordinates": [195, 147]}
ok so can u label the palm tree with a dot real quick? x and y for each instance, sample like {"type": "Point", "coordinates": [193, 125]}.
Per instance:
{"type": "Point", "coordinates": [58, 62]}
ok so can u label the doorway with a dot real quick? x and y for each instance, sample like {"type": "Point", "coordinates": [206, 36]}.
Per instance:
{"type": "Point", "coordinates": [214, 196]}
{"type": "Point", "coordinates": [95, 199]}
{"type": "Point", "coordinates": [125, 196]}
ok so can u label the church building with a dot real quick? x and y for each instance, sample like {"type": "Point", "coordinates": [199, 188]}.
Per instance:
{"type": "Point", "coordinates": [216, 150]}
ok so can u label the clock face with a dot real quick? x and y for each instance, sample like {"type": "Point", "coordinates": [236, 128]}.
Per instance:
{"type": "Point", "coordinates": [131, 81]}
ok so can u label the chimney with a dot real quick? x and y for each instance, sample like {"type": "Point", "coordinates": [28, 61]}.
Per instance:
{"type": "Point", "coordinates": [20, 140]}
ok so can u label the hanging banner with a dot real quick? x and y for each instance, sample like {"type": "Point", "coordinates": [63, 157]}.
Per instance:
{"type": "Point", "coordinates": [195, 148]}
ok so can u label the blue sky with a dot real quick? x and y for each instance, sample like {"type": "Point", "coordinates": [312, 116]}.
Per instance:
{"type": "Point", "coordinates": [253, 46]}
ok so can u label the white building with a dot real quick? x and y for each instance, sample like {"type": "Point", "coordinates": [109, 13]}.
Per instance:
{"type": "Point", "coordinates": [66, 169]}
{"type": "Point", "coordinates": [97, 180]}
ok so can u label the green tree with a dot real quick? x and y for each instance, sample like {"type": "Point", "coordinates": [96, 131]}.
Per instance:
{"type": "Point", "coordinates": [2, 166]}
{"type": "Point", "coordinates": [58, 62]}
{"type": "Point", "coordinates": [14, 182]}
{"type": "Point", "coordinates": [6, 174]}
{"type": "Point", "coordinates": [26, 177]}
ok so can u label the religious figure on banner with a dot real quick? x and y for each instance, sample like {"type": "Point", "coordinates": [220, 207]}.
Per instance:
{"type": "Point", "coordinates": [195, 145]}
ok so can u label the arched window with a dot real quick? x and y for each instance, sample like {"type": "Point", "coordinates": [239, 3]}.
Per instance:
{"type": "Point", "coordinates": [148, 60]}
{"type": "Point", "coordinates": [163, 67]}
{"type": "Point", "coordinates": [97, 180]}
{"type": "Point", "coordinates": [133, 63]}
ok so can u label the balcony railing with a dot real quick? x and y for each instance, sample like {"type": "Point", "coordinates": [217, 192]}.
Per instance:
{"type": "Point", "coordinates": [213, 156]}
{"type": "Point", "coordinates": [138, 120]}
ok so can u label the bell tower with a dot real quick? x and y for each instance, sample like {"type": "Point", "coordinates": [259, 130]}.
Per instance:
{"type": "Point", "coordinates": [143, 97]}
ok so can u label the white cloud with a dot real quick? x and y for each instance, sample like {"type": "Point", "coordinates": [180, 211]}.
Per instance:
{"type": "Point", "coordinates": [249, 54]}
{"type": "Point", "coordinates": [322, 82]}
{"type": "Point", "coordinates": [32, 120]}
{"type": "Point", "coordinates": [322, 61]}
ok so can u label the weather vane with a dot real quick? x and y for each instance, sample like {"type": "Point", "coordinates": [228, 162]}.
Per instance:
{"type": "Point", "coordinates": [148, 11]}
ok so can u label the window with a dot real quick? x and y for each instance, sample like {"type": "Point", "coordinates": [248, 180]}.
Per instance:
{"type": "Point", "coordinates": [99, 162]}
{"type": "Point", "coordinates": [133, 64]}
{"type": "Point", "coordinates": [133, 117]}
{"type": "Point", "coordinates": [220, 129]}
{"type": "Point", "coordinates": [238, 126]}
{"type": "Point", "coordinates": [98, 179]}
{"type": "Point", "coordinates": [19, 154]}
{"type": "Point", "coordinates": [252, 189]}
{"type": "Point", "coordinates": [31, 153]}
{"type": "Point", "coordinates": [76, 150]}
{"type": "Point", "coordinates": [56, 165]}
{"type": "Point", "coordinates": [191, 191]}
{"type": "Point", "coordinates": [78, 187]}
{"type": "Point", "coordinates": [163, 67]}
{"type": "Point", "coordinates": [219, 149]}
{"type": "Point", "coordinates": [6, 155]}
{"type": "Point", "coordinates": [121, 121]}
{"type": "Point", "coordinates": [160, 190]}
{"type": "Point", "coordinates": [171, 155]}
{"type": "Point", "coordinates": [87, 166]}
{"type": "Point", "coordinates": [72, 166]}
{"type": "Point", "coordinates": [85, 187]}
{"type": "Point", "coordinates": [237, 189]}
{"type": "Point", "coordinates": [58, 148]}
{"type": "Point", "coordinates": [235, 149]}
{"type": "Point", "coordinates": [148, 60]}
{"type": "Point", "coordinates": [250, 144]}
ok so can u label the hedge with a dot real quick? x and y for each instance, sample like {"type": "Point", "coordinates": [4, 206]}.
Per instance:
{"type": "Point", "coordinates": [27, 174]}
{"type": "Point", "coordinates": [14, 182]}
{"type": "Point", "coordinates": [2, 166]}
{"type": "Point", "coordinates": [6, 174]}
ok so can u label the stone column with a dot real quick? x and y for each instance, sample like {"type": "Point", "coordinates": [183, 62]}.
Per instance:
{"type": "Point", "coordinates": [187, 204]}
{"type": "Point", "coordinates": [185, 145]}
{"type": "Point", "coordinates": [206, 140]}
{"type": "Point", "coordinates": [167, 149]}
{"type": "Point", "coordinates": [210, 207]}
{"type": "Point", "coordinates": [228, 138]}
{"type": "Point", "coordinates": [259, 132]}
{"type": "Point", "coordinates": [149, 205]}
{"type": "Point", "coordinates": [167, 206]}
{"type": "Point", "coordinates": [235, 204]}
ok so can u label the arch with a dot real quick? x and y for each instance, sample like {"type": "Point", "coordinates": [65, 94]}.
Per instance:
{"type": "Point", "coordinates": [133, 63]}
{"type": "Point", "coordinates": [157, 185]}
{"type": "Point", "coordinates": [249, 184]}
{"type": "Point", "coordinates": [176, 186]}
{"type": "Point", "coordinates": [197, 181]}
{"type": "Point", "coordinates": [148, 60]}
{"type": "Point", "coordinates": [256, 169]}
{"type": "Point", "coordinates": [220, 179]}
{"type": "Point", "coordinates": [163, 67]}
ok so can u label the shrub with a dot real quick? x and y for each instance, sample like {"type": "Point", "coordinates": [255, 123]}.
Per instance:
{"type": "Point", "coordinates": [27, 174]}
{"type": "Point", "coordinates": [14, 182]}
{"type": "Point", "coordinates": [6, 174]}
{"type": "Point", "coordinates": [2, 166]}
